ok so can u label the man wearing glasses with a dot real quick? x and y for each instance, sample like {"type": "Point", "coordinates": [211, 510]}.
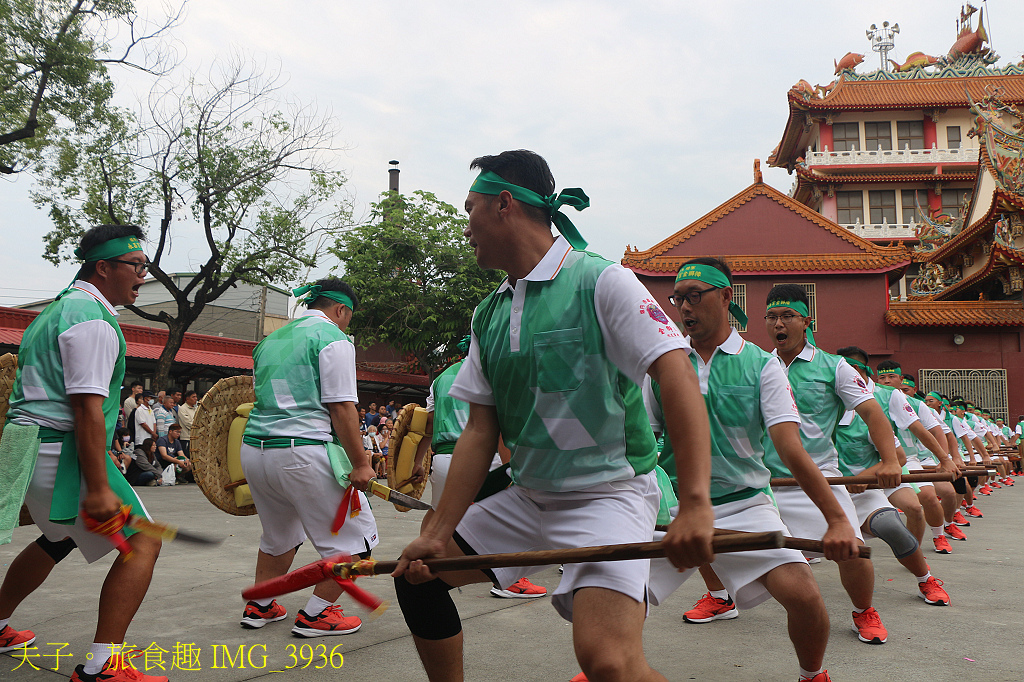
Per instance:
{"type": "Point", "coordinates": [749, 401]}
{"type": "Point", "coordinates": [825, 386]}
{"type": "Point", "coordinates": [63, 411]}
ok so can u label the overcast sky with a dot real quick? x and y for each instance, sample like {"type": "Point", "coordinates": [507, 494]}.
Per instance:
{"type": "Point", "coordinates": [656, 109]}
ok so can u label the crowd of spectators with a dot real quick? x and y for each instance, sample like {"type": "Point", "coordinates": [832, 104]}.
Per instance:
{"type": "Point", "coordinates": [155, 433]}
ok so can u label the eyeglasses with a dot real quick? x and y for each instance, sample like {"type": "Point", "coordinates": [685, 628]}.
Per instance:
{"type": "Point", "coordinates": [140, 268]}
{"type": "Point", "coordinates": [693, 298]}
{"type": "Point", "coordinates": [785, 317]}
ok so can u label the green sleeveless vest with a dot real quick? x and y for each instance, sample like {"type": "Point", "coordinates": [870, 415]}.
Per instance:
{"type": "Point", "coordinates": [450, 415]}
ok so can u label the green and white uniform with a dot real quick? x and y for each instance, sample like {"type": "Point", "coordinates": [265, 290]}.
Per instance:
{"type": "Point", "coordinates": [746, 392]}
{"type": "Point", "coordinates": [560, 356]}
{"type": "Point", "coordinates": [825, 387]}
{"type": "Point", "coordinates": [74, 347]}
{"type": "Point", "coordinates": [298, 370]}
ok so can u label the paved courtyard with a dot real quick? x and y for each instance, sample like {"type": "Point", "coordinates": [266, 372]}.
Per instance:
{"type": "Point", "coordinates": [194, 604]}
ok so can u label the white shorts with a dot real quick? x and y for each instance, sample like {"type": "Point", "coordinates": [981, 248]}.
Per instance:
{"type": "Point", "coordinates": [869, 501]}
{"type": "Point", "coordinates": [739, 571]}
{"type": "Point", "coordinates": [914, 464]}
{"type": "Point", "coordinates": [804, 519]}
{"type": "Point", "coordinates": [439, 474]}
{"type": "Point", "coordinates": [520, 519]}
{"type": "Point", "coordinates": [297, 496]}
{"type": "Point", "coordinates": [39, 497]}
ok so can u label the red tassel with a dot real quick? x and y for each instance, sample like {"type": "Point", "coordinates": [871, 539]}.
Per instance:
{"type": "Point", "coordinates": [368, 601]}
{"type": "Point", "coordinates": [343, 509]}
{"type": "Point", "coordinates": [112, 528]}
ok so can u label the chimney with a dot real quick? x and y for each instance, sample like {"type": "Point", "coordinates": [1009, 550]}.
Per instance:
{"type": "Point", "coordinates": [393, 176]}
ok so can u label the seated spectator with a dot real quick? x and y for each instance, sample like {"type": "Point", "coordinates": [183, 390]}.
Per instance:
{"type": "Point", "coordinates": [170, 451]}
{"type": "Point", "coordinates": [143, 469]}
{"type": "Point", "coordinates": [371, 442]}
{"type": "Point", "coordinates": [120, 451]}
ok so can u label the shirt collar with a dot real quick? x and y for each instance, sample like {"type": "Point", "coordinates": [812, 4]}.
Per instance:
{"type": "Point", "coordinates": [807, 354]}
{"type": "Point", "coordinates": [733, 344]}
{"type": "Point", "coordinates": [314, 312]}
{"type": "Point", "coordinates": [548, 266]}
{"type": "Point", "coordinates": [90, 289]}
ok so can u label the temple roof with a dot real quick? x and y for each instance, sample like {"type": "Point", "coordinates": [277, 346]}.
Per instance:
{"type": "Point", "coordinates": [763, 230]}
{"type": "Point", "coordinates": [955, 313]}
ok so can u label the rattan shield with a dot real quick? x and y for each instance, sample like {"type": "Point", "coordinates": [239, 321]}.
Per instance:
{"type": "Point", "coordinates": [209, 446]}
{"type": "Point", "coordinates": [398, 434]}
{"type": "Point", "coordinates": [8, 370]}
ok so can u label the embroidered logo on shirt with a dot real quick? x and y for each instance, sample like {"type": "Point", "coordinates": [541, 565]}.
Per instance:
{"type": "Point", "coordinates": [908, 408]}
{"type": "Point", "coordinates": [860, 382]}
{"type": "Point", "coordinates": [656, 313]}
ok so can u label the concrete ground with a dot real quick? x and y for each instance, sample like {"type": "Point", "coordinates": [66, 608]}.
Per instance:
{"type": "Point", "coordinates": [195, 604]}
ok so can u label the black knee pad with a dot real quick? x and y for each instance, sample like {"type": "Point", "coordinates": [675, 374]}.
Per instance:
{"type": "Point", "coordinates": [429, 609]}
{"type": "Point", "coordinates": [887, 525]}
{"type": "Point", "coordinates": [960, 485]}
{"type": "Point", "coordinates": [56, 550]}
{"type": "Point", "coordinates": [972, 481]}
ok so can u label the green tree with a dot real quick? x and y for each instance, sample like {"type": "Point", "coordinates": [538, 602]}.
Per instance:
{"type": "Point", "coordinates": [220, 163]}
{"type": "Point", "coordinates": [416, 277]}
{"type": "Point", "coordinates": [53, 69]}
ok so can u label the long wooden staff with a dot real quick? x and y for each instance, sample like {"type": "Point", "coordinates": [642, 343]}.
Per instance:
{"type": "Point", "coordinates": [871, 480]}
{"type": "Point", "coordinates": [801, 544]}
{"type": "Point", "coordinates": [325, 568]}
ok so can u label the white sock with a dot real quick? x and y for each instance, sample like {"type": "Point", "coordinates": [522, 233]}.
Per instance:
{"type": "Point", "coordinates": [3, 623]}
{"type": "Point", "coordinates": [720, 594]}
{"type": "Point", "coordinates": [99, 654]}
{"type": "Point", "coordinates": [937, 531]}
{"type": "Point", "coordinates": [856, 610]}
{"type": "Point", "coordinates": [264, 603]}
{"type": "Point", "coordinates": [808, 674]}
{"type": "Point", "coordinates": [315, 606]}
{"type": "Point", "coordinates": [924, 578]}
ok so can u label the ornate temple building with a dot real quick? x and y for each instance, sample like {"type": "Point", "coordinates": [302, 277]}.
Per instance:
{"type": "Point", "coordinates": [904, 222]}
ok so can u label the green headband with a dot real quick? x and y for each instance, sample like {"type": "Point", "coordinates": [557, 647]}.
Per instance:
{"type": "Point", "coordinates": [463, 344]}
{"type": "Point", "coordinates": [118, 246]}
{"type": "Point", "coordinates": [935, 395]}
{"type": "Point", "coordinates": [945, 402]}
{"type": "Point", "coordinates": [909, 382]}
{"type": "Point", "coordinates": [798, 306]}
{"type": "Point", "coordinates": [890, 370]}
{"type": "Point", "coordinates": [491, 183]}
{"type": "Point", "coordinates": [858, 363]}
{"type": "Point", "coordinates": [315, 291]}
{"type": "Point", "coordinates": [709, 274]}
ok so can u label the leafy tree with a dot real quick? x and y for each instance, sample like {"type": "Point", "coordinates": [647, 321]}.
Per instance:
{"type": "Point", "coordinates": [219, 162]}
{"type": "Point", "coordinates": [416, 276]}
{"type": "Point", "coordinates": [53, 69]}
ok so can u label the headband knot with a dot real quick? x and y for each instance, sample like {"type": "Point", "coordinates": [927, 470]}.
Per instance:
{"type": "Point", "coordinates": [491, 183]}
{"type": "Point", "coordinates": [311, 292]}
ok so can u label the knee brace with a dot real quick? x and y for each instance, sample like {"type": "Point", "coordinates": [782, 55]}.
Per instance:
{"type": "Point", "coordinates": [428, 608]}
{"type": "Point", "coordinates": [887, 525]}
{"type": "Point", "coordinates": [960, 485]}
{"type": "Point", "coordinates": [56, 550]}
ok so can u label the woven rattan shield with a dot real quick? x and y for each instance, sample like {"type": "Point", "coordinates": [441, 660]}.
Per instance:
{"type": "Point", "coordinates": [209, 446]}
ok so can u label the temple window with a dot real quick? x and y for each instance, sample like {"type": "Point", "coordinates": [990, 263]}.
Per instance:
{"type": "Point", "coordinates": [910, 134]}
{"type": "Point", "coordinates": [739, 297]}
{"type": "Point", "coordinates": [849, 208]}
{"type": "Point", "coordinates": [882, 203]}
{"type": "Point", "coordinates": [910, 213]}
{"type": "Point", "coordinates": [953, 200]}
{"type": "Point", "coordinates": [845, 137]}
{"type": "Point", "coordinates": [877, 135]}
{"type": "Point", "coordinates": [953, 137]}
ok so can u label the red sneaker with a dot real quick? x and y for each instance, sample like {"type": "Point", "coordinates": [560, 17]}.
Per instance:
{"type": "Point", "coordinates": [520, 589]}
{"type": "Point", "coordinates": [869, 628]}
{"type": "Point", "coordinates": [942, 545]}
{"type": "Point", "coordinates": [1008, 481]}
{"type": "Point", "coordinates": [994, 484]}
{"type": "Point", "coordinates": [974, 511]}
{"type": "Point", "coordinates": [710, 608]}
{"type": "Point", "coordinates": [256, 616]}
{"type": "Point", "coordinates": [331, 621]}
{"type": "Point", "coordinates": [579, 678]}
{"type": "Point", "coordinates": [820, 677]}
{"type": "Point", "coordinates": [932, 592]}
{"type": "Point", "coordinates": [959, 519]}
{"type": "Point", "coordinates": [954, 532]}
{"type": "Point", "coordinates": [11, 639]}
{"type": "Point", "coordinates": [118, 668]}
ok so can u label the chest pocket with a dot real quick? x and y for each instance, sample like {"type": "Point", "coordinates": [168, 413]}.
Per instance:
{"type": "Point", "coordinates": [735, 405]}
{"type": "Point", "coordinates": [811, 397]}
{"type": "Point", "coordinates": [558, 357]}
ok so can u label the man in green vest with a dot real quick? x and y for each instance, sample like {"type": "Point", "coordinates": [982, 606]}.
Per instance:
{"type": "Point", "coordinates": [63, 410]}
{"type": "Point", "coordinates": [825, 387]}
{"type": "Point", "coordinates": [749, 400]}
{"type": "Point", "coordinates": [557, 354]}
{"type": "Point", "coordinates": [305, 381]}
{"type": "Point", "coordinates": [446, 419]}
